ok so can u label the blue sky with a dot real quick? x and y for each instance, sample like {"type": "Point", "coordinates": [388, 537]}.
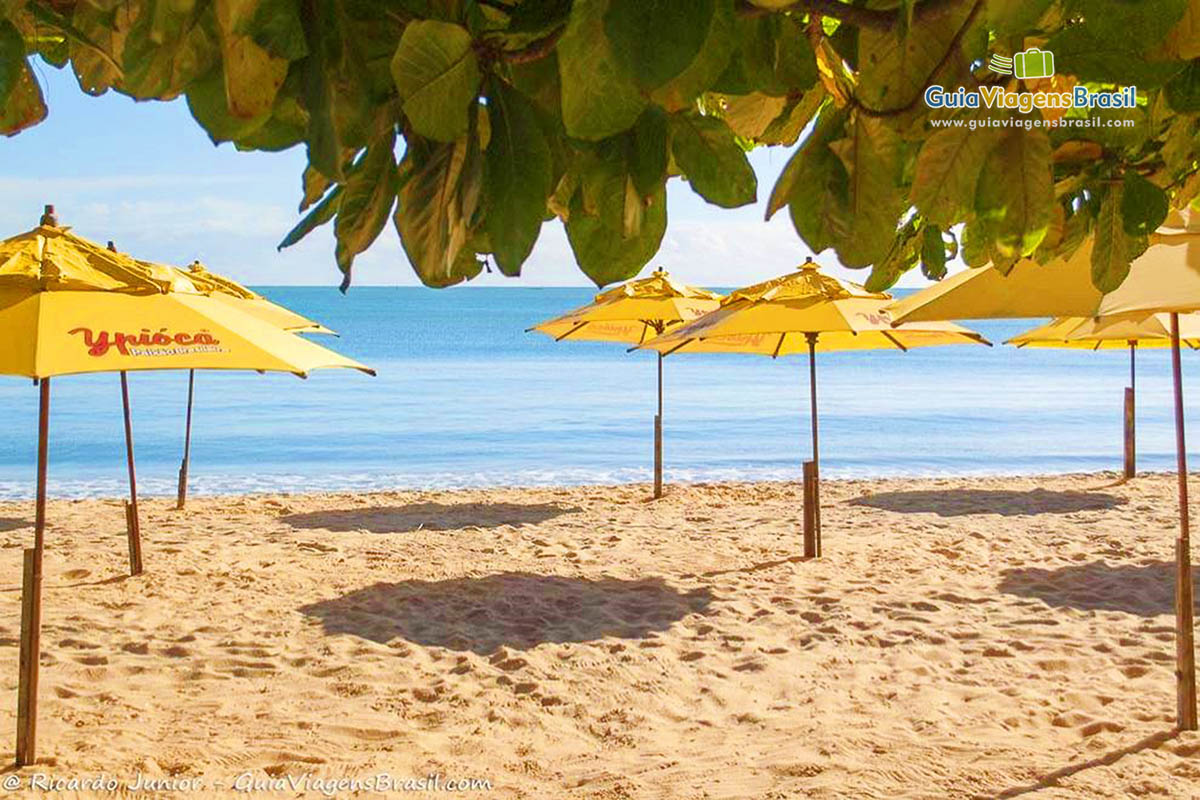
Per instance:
{"type": "Point", "coordinates": [147, 176]}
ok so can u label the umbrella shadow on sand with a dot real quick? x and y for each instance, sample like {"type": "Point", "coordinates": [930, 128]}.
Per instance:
{"type": "Point", "coordinates": [519, 610]}
{"type": "Point", "coordinates": [1007, 503]}
{"type": "Point", "coordinates": [9, 524]}
{"type": "Point", "coordinates": [1146, 590]}
{"type": "Point", "coordinates": [429, 517]}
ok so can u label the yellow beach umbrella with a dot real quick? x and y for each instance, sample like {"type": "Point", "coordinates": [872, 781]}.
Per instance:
{"type": "Point", "coordinates": [69, 306]}
{"type": "Point", "coordinates": [633, 313]}
{"type": "Point", "coordinates": [1110, 333]}
{"type": "Point", "coordinates": [1163, 279]}
{"type": "Point", "coordinates": [197, 279]}
{"type": "Point", "coordinates": [230, 291]}
{"type": "Point", "coordinates": [805, 312]}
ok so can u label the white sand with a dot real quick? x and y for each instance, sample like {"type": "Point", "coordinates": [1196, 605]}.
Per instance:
{"type": "Point", "coordinates": [959, 638]}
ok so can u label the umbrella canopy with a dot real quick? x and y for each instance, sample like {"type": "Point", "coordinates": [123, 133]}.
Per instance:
{"type": "Point", "coordinates": [1165, 278]}
{"type": "Point", "coordinates": [804, 311]}
{"type": "Point", "coordinates": [633, 312]}
{"type": "Point", "coordinates": [69, 306]}
{"type": "Point", "coordinates": [230, 291]}
{"type": "Point", "coordinates": [1109, 333]}
{"type": "Point", "coordinates": [780, 316]}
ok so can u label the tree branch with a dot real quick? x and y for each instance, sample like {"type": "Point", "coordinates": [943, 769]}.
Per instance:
{"type": "Point", "coordinates": [950, 50]}
{"type": "Point", "coordinates": [535, 50]}
{"type": "Point", "coordinates": [878, 19]}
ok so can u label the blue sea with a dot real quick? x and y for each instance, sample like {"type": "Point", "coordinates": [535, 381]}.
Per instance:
{"type": "Point", "coordinates": [464, 397]}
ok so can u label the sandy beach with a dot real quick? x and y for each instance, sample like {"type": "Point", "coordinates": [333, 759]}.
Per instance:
{"type": "Point", "coordinates": [959, 638]}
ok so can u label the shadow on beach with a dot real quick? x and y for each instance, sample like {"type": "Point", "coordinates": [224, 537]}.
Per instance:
{"type": "Point", "coordinates": [1146, 590]}
{"type": "Point", "coordinates": [519, 610]}
{"type": "Point", "coordinates": [1054, 779]}
{"type": "Point", "coordinates": [963, 502]}
{"type": "Point", "coordinates": [429, 517]}
{"type": "Point", "coordinates": [10, 524]}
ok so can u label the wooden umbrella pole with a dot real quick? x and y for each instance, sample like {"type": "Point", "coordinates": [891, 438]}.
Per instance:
{"type": "Point", "coordinates": [812, 390]}
{"type": "Point", "coordinates": [31, 600]}
{"type": "Point", "coordinates": [1131, 414]}
{"type": "Point", "coordinates": [133, 525]}
{"type": "Point", "coordinates": [181, 498]}
{"type": "Point", "coordinates": [812, 472]}
{"type": "Point", "coordinates": [1185, 654]}
{"type": "Point", "coordinates": [658, 421]}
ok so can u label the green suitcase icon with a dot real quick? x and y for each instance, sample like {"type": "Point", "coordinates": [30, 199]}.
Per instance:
{"type": "Point", "coordinates": [1033, 63]}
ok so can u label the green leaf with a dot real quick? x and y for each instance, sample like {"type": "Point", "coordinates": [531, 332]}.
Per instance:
{"type": "Point", "coordinates": [517, 177]}
{"type": "Point", "coordinates": [1080, 52]}
{"type": "Point", "coordinates": [933, 254]}
{"type": "Point", "coordinates": [656, 40]}
{"type": "Point", "coordinates": [252, 75]}
{"type": "Point", "coordinates": [795, 64]}
{"type": "Point", "coordinates": [286, 125]}
{"type": "Point", "coordinates": [94, 64]}
{"type": "Point", "coordinates": [429, 215]}
{"type": "Point", "coordinates": [77, 41]}
{"type": "Point", "coordinates": [322, 213]}
{"type": "Point", "coordinates": [207, 101]}
{"type": "Point", "coordinates": [324, 139]}
{"type": "Point", "coordinates": [749, 115]}
{"type": "Point", "coordinates": [805, 168]}
{"type": "Point", "coordinates": [771, 56]}
{"type": "Point", "coordinates": [166, 48]}
{"type": "Point", "coordinates": [1076, 228]}
{"type": "Point", "coordinates": [12, 60]}
{"type": "Point", "coordinates": [893, 70]}
{"type": "Point", "coordinates": [871, 157]}
{"type": "Point", "coordinates": [715, 166]}
{"type": "Point", "coordinates": [315, 186]}
{"type": "Point", "coordinates": [1144, 206]}
{"type": "Point", "coordinates": [1113, 249]}
{"type": "Point", "coordinates": [1137, 24]}
{"type": "Point", "coordinates": [538, 16]}
{"type": "Point", "coordinates": [947, 172]}
{"type": "Point", "coordinates": [1009, 17]}
{"type": "Point", "coordinates": [787, 127]}
{"type": "Point", "coordinates": [538, 80]}
{"type": "Point", "coordinates": [367, 199]}
{"type": "Point", "coordinates": [608, 244]}
{"type": "Point", "coordinates": [275, 26]}
{"type": "Point", "coordinates": [681, 92]}
{"type": "Point", "coordinates": [602, 250]}
{"type": "Point", "coordinates": [819, 202]}
{"type": "Point", "coordinates": [902, 256]}
{"type": "Point", "coordinates": [975, 251]}
{"type": "Point", "coordinates": [437, 76]}
{"type": "Point", "coordinates": [599, 98]}
{"type": "Point", "coordinates": [1178, 149]}
{"type": "Point", "coordinates": [648, 154]}
{"type": "Point", "coordinates": [1184, 39]}
{"type": "Point", "coordinates": [24, 106]}
{"type": "Point", "coordinates": [1015, 195]}
{"type": "Point", "coordinates": [1183, 91]}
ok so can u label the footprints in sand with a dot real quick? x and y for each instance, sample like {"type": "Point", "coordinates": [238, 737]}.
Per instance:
{"type": "Point", "coordinates": [703, 659]}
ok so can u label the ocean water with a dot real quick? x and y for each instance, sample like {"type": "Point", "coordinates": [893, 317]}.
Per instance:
{"type": "Point", "coordinates": [465, 397]}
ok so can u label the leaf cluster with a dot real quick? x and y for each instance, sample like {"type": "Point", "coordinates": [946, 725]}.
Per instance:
{"type": "Point", "coordinates": [468, 124]}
